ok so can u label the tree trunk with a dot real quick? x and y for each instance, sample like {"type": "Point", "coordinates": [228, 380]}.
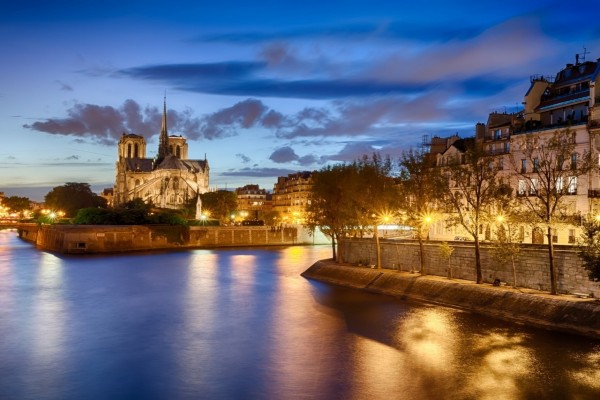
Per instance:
{"type": "Point", "coordinates": [422, 254]}
{"type": "Point", "coordinates": [479, 278]}
{"type": "Point", "coordinates": [333, 248]}
{"type": "Point", "coordinates": [378, 248]}
{"type": "Point", "coordinates": [551, 262]}
{"type": "Point", "coordinates": [512, 259]}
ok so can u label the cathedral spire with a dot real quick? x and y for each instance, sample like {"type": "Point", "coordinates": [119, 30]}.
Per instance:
{"type": "Point", "coordinates": [163, 142]}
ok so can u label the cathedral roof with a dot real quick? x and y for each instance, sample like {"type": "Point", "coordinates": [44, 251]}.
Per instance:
{"type": "Point", "coordinates": [138, 164]}
{"type": "Point", "coordinates": [172, 162]}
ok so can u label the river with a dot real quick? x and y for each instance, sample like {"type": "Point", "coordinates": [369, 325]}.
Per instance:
{"type": "Point", "coordinates": [243, 324]}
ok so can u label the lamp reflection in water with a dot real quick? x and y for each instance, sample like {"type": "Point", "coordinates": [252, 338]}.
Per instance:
{"type": "Point", "coordinates": [505, 366]}
{"type": "Point", "coordinates": [50, 322]}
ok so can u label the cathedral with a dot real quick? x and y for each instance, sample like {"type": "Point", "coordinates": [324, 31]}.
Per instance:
{"type": "Point", "coordinates": [169, 180]}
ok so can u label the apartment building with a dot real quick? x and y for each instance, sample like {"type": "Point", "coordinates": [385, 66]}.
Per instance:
{"type": "Point", "coordinates": [567, 102]}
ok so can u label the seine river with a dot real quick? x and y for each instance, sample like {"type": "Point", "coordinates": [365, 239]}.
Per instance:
{"type": "Point", "coordinates": [243, 324]}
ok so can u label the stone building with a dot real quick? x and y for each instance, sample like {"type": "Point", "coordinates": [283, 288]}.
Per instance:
{"type": "Point", "coordinates": [291, 195]}
{"type": "Point", "coordinates": [568, 103]}
{"type": "Point", "coordinates": [253, 202]}
{"type": "Point", "coordinates": [169, 180]}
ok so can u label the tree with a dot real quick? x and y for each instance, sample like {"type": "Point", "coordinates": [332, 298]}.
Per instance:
{"type": "Point", "coordinates": [446, 254]}
{"type": "Point", "coordinates": [475, 192]}
{"type": "Point", "coordinates": [507, 243]}
{"type": "Point", "coordinates": [422, 185]}
{"type": "Point", "coordinates": [351, 198]}
{"type": "Point", "coordinates": [220, 204]}
{"type": "Point", "coordinates": [377, 194]}
{"type": "Point", "coordinates": [589, 250]}
{"type": "Point", "coordinates": [73, 196]}
{"type": "Point", "coordinates": [330, 208]}
{"type": "Point", "coordinates": [16, 204]}
{"type": "Point", "coordinates": [548, 172]}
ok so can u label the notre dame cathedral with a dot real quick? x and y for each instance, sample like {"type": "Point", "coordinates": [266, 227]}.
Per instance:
{"type": "Point", "coordinates": [168, 181]}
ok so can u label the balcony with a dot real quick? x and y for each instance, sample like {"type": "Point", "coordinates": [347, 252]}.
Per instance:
{"type": "Point", "coordinates": [594, 193]}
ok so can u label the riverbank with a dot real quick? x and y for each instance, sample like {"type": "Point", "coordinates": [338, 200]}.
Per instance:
{"type": "Point", "coordinates": [566, 313]}
{"type": "Point", "coordinates": [97, 239]}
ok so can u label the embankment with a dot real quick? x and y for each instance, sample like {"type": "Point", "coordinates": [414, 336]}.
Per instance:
{"type": "Point", "coordinates": [86, 239]}
{"type": "Point", "coordinates": [561, 313]}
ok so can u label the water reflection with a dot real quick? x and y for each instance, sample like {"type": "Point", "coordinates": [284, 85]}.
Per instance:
{"type": "Point", "coordinates": [242, 323]}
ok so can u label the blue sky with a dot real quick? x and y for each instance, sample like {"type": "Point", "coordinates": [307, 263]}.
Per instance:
{"type": "Point", "coordinates": [263, 88]}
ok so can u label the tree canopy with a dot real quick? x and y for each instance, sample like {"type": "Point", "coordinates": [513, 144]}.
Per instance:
{"type": "Point", "coordinates": [220, 204]}
{"type": "Point", "coordinates": [16, 204]}
{"type": "Point", "coordinates": [71, 197]}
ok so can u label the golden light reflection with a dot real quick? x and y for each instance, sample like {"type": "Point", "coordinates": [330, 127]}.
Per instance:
{"type": "Point", "coordinates": [504, 364]}
{"type": "Point", "coordinates": [589, 375]}
{"type": "Point", "coordinates": [296, 335]}
{"type": "Point", "coordinates": [376, 368]}
{"type": "Point", "coordinates": [429, 339]}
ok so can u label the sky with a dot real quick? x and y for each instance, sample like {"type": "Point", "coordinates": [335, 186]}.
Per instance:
{"type": "Point", "coordinates": [263, 88]}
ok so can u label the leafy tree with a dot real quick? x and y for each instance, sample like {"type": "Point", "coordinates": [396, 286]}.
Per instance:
{"type": "Point", "coordinates": [475, 194]}
{"type": "Point", "coordinates": [377, 194]}
{"type": "Point", "coordinates": [16, 204]}
{"type": "Point", "coordinates": [220, 204]}
{"type": "Point", "coordinates": [507, 242]}
{"type": "Point", "coordinates": [349, 198]}
{"type": "Point", "coordinates": [589, 250]}
{"type": "Point", "coordinates": [547, 173]}
{"type": "Point", "coordinates": [446, 254]}
{"type": "Point", "coordinates": [330, 208]}
{"type": "Point", "coordinates": [72, 196]}
{"type": "Point", "coordinates": [422, 186]}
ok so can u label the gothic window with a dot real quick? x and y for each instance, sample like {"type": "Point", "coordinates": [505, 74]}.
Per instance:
{"type": "Point", "coordinates": [178, 151]}
{"type": "Point", "coordinates": [135, 151]}
{"type": "Point", "coordinates": [128, 150]}
{"type": "Point", "coordinates": [175, 183]}
{"type": "Point", "coordinates": [137, 182]}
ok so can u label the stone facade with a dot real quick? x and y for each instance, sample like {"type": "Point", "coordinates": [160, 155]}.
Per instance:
{"type": "Point", "coordinates": [531, 266]}
{"type": "Point", "coordinates": [168, 181]}
{"type": "Point", "coordinates": [291, 195]}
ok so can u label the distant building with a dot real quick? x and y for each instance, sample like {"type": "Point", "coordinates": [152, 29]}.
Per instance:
{"type": "Point", "coordinates": [291, 196]}
{"type": "Point", "coordinates": [169, 180]}
{"type": "Point", "coordinates": [253, 202]}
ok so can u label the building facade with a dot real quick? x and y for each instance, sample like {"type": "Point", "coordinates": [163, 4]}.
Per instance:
{"type": "Point", "coordinates": [291, 196]}
{"type": "Point", "coordinates": [170, 180]}
{"type": "Point", "coordinates": [253, 202]}
{"type": "Point", "coordinates": [567, 103]}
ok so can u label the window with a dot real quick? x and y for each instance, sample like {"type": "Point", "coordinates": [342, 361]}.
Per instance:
{"type": "Point", "coordinates": [572, 182]}
{"type": "Point", "coordinates": [536, 164]}
{"type": "Point", "coordinates": [501, 164]}
{"type": "Point", "coordinates": [574, 161]}
{"type": "Point", "coordinates": [507, 147]}
{"type": "Point", "coordinates": [136, 151]}
{"type": "Point", "coordinates": [522, 187]}
{"type": "Point", "coordinates": [559, 184]}
{"type": "Point", "coordinates": [571, 236]}
{"type": "Point", "coordinates": [128, 150]}
{"type": "Point", "coordinates": [534, 187]}
{"type": "Point", "coordinates": [523, 166]}
{"type": "Point", "coordinates": [497, 133]}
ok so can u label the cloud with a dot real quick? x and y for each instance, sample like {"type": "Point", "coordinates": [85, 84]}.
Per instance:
{"type": "Point", "coordinates": [72, 158]}
{"type": "Point", "coordinates": [259, 172]}
{"type": "Point", "coordinates": [244, 158]}
{"type": "Point", "coordinates": [283, 155]}
{"type": "Point", "coordinates": [105, 124]}
{"type": "Point", "coordinates": [64, 87]}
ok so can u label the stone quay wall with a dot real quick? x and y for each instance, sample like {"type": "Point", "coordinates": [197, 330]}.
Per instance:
{"type": "Point", "coordinates": [531, 263]}
{"type": "Point", "coordinates": [81, 239]}
{"type": "Point", "coordinates": [562, 313]}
